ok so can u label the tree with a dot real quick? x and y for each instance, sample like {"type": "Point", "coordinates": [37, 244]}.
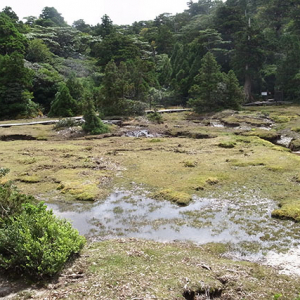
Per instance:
{"type": "Point", "coordinates": [105, 28]}
{"type": "Point", "coordinates": [288, 71]}
{"type": "Point", "coordinates": [214, 90]}
{"type": "Point", "coordinates": [10, 38]}
{"type": "Point", "coordinates": [37, 51]}
{"type": "Point", "coordinates": [117, 47]}
{"type": "Point", "coordinates": [248, 57]}
{"type": "Point", "coordinates": [82, 26]}
{"type": "Point", "coordinates": [15, 81]}
{"type": "Point", "coordinates": [11, 14]}
{"type": "Point", "coordinates": [63, 105]}
{"type": "Point", "coordinates": [207, 84]}
{"type": "Point", "coordinates": [93, 123]}
{"type": "Point", "coordinates": [233, 95]}
{"type": "Point", "coordinates": [50, 17]}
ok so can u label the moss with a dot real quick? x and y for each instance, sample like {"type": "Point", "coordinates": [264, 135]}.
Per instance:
{"type": "Point", "coordinates": [179, 198]}
{"type": "Point", "coordinates": [270, 135]}
{"type": "Point", "coordinates": [190, 164]}
{"type": "Point", "coordinates": [29, 179]}
{"type": "Point", "coordinates": [83, 192]}
{"type": "Point", "coordinates": [295, 145]}
{"type": "Point", "coordinates": [251, 163]}
{"type": "Point", "coordinates": [281, 119]}
{"type": "Point", "coordinates": [227, 145]}
{"type": "Point", "coordinates": [288, 211]}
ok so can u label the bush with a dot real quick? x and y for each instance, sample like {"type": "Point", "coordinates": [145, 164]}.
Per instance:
{"type": "Point", "coordinates": [155, 117]}
{"type": "Point", "coordinates": [33, 241]}
{"type": "Point", "coordinates": [67, 123]}
{"type": "Point", "coordinates": [36, 243]}
{"type": "Point", "coordinates": [11, 202]}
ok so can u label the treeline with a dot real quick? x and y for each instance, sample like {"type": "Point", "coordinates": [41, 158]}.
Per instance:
{"type": "Point", "coordinates": [214, 55]}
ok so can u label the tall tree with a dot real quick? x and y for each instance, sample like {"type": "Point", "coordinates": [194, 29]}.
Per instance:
{"type": "Point", "coordinates": [10, 38]}
{"type": "Point", "coordinates": [15, 81]}
{"type": "Point", "coordinates": [63, 105]}
{"type": "Point", "coordinates": [206, 89]}
{"type": "Point", "coordinates": [50, 17]}
{"type": "Point", "coordinates": [105, 28]}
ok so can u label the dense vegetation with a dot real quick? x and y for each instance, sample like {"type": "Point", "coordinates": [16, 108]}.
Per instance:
{"type": "Point", "coordinates": [163, 61]}
{"type": "Point", "coordinates": [33, 241]}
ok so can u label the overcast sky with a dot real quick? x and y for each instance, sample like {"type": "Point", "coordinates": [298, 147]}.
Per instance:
{"type": "Point", "coordinates": [121, 12]}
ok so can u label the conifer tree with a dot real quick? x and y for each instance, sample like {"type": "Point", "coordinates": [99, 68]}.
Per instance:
{"type": "Point", "coordinates": [63, 105]}
{"type": "Point", "coordinates": [93, 124]}
{"type": "Point", "coordinates": [205, 90]}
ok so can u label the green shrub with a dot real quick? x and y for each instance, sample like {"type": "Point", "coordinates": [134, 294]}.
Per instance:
{"type": "Point", "coordinates": [66, 123]}
{"type": "Point", "coordinates": [33, 241]}
{"type": "Point", "coordinates": [3, 172]}
{"type": "Point", "coordinates": [11, 202]}
{"type": "Point", "coordinates": [36, 243]}
{"type": "Point", "coordinates": [155, 117]}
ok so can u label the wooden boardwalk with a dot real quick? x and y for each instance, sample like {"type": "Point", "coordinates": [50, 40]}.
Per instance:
{"type": "Point", "coordinates": [116, 122]}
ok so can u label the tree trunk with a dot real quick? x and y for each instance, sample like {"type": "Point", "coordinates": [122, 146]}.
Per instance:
{"type": "Point", "coordinates": [248, 88]}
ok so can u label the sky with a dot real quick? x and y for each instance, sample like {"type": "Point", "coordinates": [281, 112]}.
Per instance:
{"type": "Point", "coordinates": [121, 12]}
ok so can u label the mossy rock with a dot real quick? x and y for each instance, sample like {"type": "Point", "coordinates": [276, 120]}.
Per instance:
{"type": "Point", "coordinates": [227, 145]}
{"type": "Point", "coordinates": [291, 212]}
{"type": "Point", "coordinates": [190, 164]}
{"type": "Point", "coordinates": [271, 136]}
{"type": "Point", "coordinates": [29, 179]}
{"type": "Point", "coordinates": [180, 198]}
{"type": "Point", "coordinates": [81, 192]}
{"type": "Point", "coordinates": [231, 121]}
{"type": "Point", "coordinates": [295, 145]}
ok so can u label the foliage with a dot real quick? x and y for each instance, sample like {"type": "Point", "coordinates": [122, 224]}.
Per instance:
{"type": "Point", "coordinates": [14, 94]}
{"type": "Point", "coordinates": [66, 123]}
{"type": "Point", "coordinates": [50, 17]}
{"type": "Point", "coordinates": [10, 38]}
{"type": "Point", "coordinates": [33, 241]}
{"type": "Point", "coordinates": [105, 28]}
{"type": "Point", "coordinates": [38, 51]}
{"type": "Point", "coordinates": [155, 117]}
{"type": "Point", "coordinates": [214, 90]}
{"type": "Point", "coordinates": [11, 201]}
{"type": "Point", "coordinates": [36, 243]}
{"type": "Point", "coordinates": [93, 123]}
{"type": "Point", "coordinates": [63, 105]}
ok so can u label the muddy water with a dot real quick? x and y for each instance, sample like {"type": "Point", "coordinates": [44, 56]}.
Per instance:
{"type": "Point", "coordinates": [242, 220]}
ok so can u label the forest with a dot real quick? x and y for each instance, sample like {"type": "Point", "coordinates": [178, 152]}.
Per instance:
{"type": "Point", "coordinates": [212, 56]}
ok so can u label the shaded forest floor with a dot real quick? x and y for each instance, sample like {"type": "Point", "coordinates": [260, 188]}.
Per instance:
{"type": "Point", "coordinates": [184, 157]}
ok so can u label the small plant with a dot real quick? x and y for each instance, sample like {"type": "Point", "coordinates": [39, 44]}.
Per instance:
{"type": "Point", "coordinates": [3, 171]}
{"type": "Point", "coordinates": [227, 145]}
{"type": "Point", "coordinates": [155, 117]}
{"type": "Point", "coordinates": [277, 296]}
{"type": "Point", "coordinates": [66, 123]}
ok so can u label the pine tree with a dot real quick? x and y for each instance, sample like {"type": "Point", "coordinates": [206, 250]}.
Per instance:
{"type": "Point", "coordinates": [207, 83]}
{"type": "Point", "coordinates": [233, 96]}
{"type": "Point", "coordinates": [63, 105]}
{"type": "Point", "coordinates": [93, 123]}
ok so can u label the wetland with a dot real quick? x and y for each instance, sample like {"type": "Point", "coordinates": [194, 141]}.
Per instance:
{"type": "Point", "coordinates": [218, 191]}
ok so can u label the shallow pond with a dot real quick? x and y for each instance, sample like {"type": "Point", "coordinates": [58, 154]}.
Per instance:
{"type": "Point", "coordinates": [241, 219]}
